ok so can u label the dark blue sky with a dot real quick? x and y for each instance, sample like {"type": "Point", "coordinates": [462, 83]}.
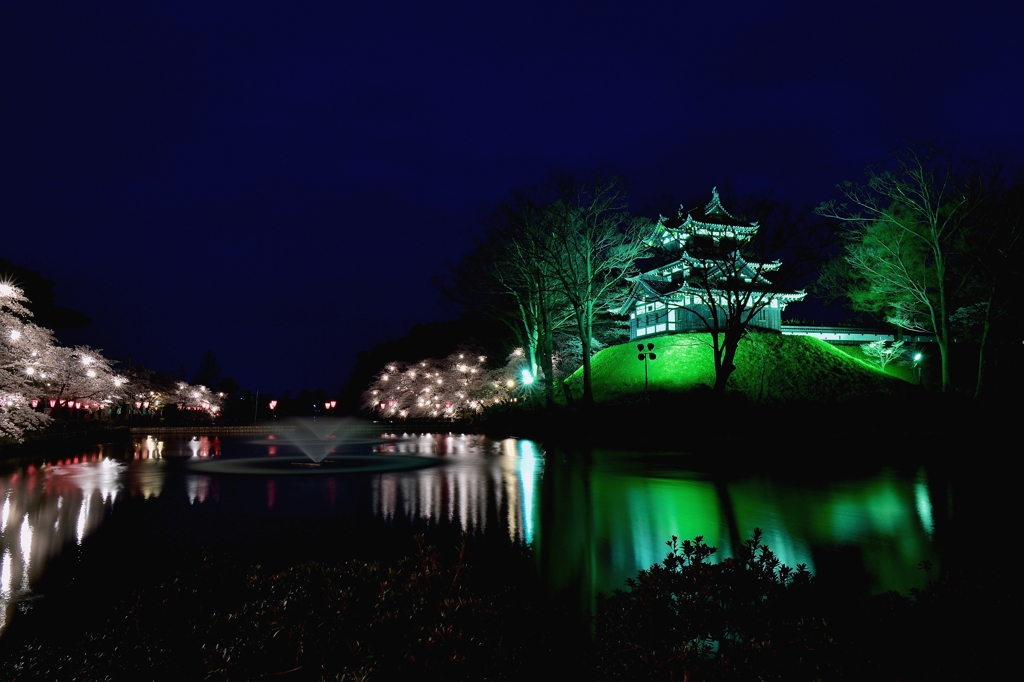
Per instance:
{"type": "Point", "coordinates": [280, 182]}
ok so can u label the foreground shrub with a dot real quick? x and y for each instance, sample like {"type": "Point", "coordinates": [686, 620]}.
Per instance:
{"type": "Point", "coordinates": [420, 618]}
{"type": "Point", "coordinates": [432, 614]}
{"type": "Point", "coordinates": [687, 618]}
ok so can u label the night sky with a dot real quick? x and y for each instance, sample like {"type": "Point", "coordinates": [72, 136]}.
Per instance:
{"type": "Point", "coordinates": [280, 182]}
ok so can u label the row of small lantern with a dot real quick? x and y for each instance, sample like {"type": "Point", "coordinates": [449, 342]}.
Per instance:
{"type": "Point", "coordinates": [139, 404]}
{"type": "Point", "coordinates": [329, 405]}
{"type": "Point", "coordinates": [72, 404]}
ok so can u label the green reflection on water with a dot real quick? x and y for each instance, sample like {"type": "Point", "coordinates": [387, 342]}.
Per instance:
{"type": "Point", "coordinates": [606, 516]}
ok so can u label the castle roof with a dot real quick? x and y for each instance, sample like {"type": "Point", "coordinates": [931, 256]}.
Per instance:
{"type": "Point", "coordinates": [711, 219]}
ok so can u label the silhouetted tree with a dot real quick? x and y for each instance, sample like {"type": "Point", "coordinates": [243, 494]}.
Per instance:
{"type": "Point", "coordinates": [209, 371]}
{"type": "Point", "coordinates": [905, 230]}
{"type": "Point", "coordinates": [590, 243]}
{"type": "Point", "coordinates": [41, 298]}
{"type": "Point", "coordinates": [506, 278]}
{"type": "Point", "coordinates": [735, 270]}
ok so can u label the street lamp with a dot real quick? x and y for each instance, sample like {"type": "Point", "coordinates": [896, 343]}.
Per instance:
{"type": "Point", "coordinates": [918, 357]}
{"type": "Point", "coordinates": [644, 357]}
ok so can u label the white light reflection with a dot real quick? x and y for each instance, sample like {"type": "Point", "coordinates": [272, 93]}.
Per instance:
{"type": "Point", "coordinates": [5, 576]}
{"type": "Point", "coordinates": [5, 587]}
{"type": "Point", "coordinates": [472, 490]}
{"type": "Point", "coordinates": [924, 502]}
{"type": "Point", "coordinates": [45, 508]}
{"type": "Point", "coordinates": [25, 540]}
{"type": "Point", "coordinates": [26, 550]}
{"type": "Point", "coordinates": [528, 465]}
{"type": "Point", "coordinates": [198, 488]}
{"type": "Point", "coordinates": [83, 517]}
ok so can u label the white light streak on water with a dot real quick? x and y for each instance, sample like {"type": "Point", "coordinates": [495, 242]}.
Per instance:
{"type": "Point", "coordinates": [528, 473]}
{"type": "Point", "coordinates": [108, 480]}
{"type": "Point", "coordinates": [5, 513]}
{"type": "Point", "coordinates": [26, 542]}
{"type": "Point", "coordinates": [5, 587]}
{"type": "Point", "coordinates": [5, 577]}
{"type": "Point", "coordinates": [924, 502]}
{"type": "Point", "coordinates": [83, 517]}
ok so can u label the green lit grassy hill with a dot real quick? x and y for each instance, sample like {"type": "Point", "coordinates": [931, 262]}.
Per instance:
{"type": "Point", "coordinates": [769, 367]}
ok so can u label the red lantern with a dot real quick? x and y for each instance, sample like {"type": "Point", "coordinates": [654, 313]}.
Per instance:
{"type": "Point", "coordinates": [137, 405]}
{"type": "Point", "coordinates": [273, 404]}
{"type": "Point", "coordinates": [35, 403]}
{"type": "Point", "coordinates": [53, 403]}
{"type": "Point", "coordinates": [145, 404]}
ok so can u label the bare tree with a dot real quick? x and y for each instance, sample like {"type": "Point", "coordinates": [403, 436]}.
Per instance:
{"type": "Point", "coordinates": [507, 279]}
{"type": "Point", "coordinates": [904, 230]}
{"type": "Point", "coordinates": [590, 243]}
{"type": "Point", "coordinates": [883, 352]}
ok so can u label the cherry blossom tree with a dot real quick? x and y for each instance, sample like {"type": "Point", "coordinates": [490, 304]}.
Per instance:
{"type": "Point", "coordinates": [456, 387]}
{"type": "Point", "coordinates": [78, 375]}
{"type": "Point", "coordinates": [22, 345]}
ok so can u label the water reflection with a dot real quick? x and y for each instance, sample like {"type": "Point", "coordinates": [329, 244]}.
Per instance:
{"type": "Point", "coordinates": [592, 521]}
{"type": "Point", "coordinates": [606, 519]}
{"type": "Point", "coordinates": [46, 508]}
{"type": "Point", "coordinates": [485, 481]}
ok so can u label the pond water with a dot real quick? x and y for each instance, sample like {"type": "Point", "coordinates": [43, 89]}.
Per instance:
{"type": "Point", "coordinates": [592, 519]}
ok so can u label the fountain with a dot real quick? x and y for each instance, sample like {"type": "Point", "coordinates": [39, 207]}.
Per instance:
{"type": "Point", "coordinates": [319, 438]}
{"type": "Point", "coordinates": [326, 446]}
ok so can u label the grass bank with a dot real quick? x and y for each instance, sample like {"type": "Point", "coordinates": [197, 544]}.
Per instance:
{"type": "Point", "coordinates": [770, 368]}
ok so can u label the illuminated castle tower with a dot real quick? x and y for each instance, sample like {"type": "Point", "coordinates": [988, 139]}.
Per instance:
{"type": "Point", "coordinates": [703, 274]}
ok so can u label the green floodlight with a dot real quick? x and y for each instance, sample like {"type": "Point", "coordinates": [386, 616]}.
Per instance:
{"type": "Point", "coordinates": [918, 357]}
{"type": "Point", "coordinates": [527, 377]}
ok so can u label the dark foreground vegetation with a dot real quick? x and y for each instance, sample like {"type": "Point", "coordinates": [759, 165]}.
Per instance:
{"type": "Point", "coordinates": [452, 608]}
